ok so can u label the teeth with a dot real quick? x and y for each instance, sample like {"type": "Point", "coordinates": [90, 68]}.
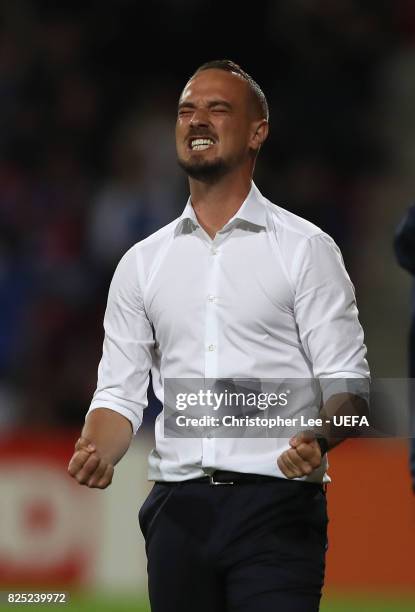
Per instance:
{"type": "Point", "coordinates": [199, 144]}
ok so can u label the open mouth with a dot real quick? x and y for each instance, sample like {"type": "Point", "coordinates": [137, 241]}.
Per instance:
{"type": "Point", "coordinates": [200, 144]}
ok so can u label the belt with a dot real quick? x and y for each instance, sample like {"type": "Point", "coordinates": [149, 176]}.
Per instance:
{"type": "Point", "coordinates": [222, 477]}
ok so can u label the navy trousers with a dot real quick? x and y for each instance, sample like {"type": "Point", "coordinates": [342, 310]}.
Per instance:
{"type": "Point", "coordinates": [257, 547]}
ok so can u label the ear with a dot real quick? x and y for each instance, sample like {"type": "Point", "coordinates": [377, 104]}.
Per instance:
{"type": "Point", "coordinates": [259, 134]}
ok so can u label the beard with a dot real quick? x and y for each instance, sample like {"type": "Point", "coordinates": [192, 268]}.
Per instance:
{"type": "Point", "coordinates": [204, 170]}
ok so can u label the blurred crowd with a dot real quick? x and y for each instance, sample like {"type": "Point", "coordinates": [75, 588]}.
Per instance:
{"type": "Point", "coordinates": [88, 93]}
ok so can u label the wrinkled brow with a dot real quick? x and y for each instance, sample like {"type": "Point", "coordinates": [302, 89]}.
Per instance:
{"type": "Point", "coordinates": [188, 104]}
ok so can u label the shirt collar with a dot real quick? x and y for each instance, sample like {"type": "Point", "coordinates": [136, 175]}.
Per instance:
{"type": "Point", "coordinates": [252, 211]}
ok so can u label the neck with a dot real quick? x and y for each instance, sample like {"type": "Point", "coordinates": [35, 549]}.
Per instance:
{"type": "Point", "coordinates": [214, 204]}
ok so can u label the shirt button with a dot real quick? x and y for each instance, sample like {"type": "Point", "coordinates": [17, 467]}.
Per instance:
{"type": "Point", "coordinates": [214, 251]}
{"type": "Point", "coordinates": [209, 436]}
{"type": "Point", "coordinates": [211, 347]}
{"type": "Point", "coordinates": [212, 298]}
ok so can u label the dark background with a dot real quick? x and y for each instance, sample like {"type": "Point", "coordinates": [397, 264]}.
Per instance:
{"type": "Point", "coordinates": [88, 95]}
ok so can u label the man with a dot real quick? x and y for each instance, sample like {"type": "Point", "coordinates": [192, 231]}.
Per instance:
{"type": "Point", "coordinates": [235, 288]}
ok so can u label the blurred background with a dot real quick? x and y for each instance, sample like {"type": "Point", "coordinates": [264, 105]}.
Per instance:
{"type": "Point", "coordinates": [88, 95]}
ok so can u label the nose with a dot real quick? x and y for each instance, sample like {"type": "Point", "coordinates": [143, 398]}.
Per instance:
{"type": "Point", "coordinates": [199, 118]}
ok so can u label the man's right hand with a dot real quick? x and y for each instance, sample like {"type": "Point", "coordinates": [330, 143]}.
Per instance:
{"type": "Point", "coordinates": [88, 467]}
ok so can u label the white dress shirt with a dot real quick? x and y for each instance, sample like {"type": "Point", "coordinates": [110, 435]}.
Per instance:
{"type": "Point", "coordinates": [268, 297]}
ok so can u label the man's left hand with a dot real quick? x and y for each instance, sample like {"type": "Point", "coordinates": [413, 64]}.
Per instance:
{"type": "Point", "coordinates": [302, 458]}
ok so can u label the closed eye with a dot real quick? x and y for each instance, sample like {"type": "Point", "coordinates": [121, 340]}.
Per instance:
{"type": "Point", "coordinates": [220, 107]}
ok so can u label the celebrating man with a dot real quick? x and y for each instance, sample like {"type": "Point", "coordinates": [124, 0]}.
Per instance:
{"type": "Point", "coordinates": [235, 288]}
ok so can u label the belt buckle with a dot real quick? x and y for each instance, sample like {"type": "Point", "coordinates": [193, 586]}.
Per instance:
{"type": "Point", "coordinates": [212, 481]}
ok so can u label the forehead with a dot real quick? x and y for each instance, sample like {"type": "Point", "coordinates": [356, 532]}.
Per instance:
{"type": "Point", "coordinates": [214, 83]}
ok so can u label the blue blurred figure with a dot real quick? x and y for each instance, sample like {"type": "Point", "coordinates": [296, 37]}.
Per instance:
{"type": "Point", "coordinates": [404, 244]}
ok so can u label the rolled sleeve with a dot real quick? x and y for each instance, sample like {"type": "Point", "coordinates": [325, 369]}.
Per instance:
{"type": "Point", "coordinates": [123, 372]}
{"type": "Point", "coordinates": [326, 312]}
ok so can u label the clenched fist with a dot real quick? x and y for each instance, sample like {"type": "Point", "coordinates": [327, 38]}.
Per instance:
{"type": "Point", "coordinates": [302, 458]}
{"type": "Point", "coordinates": [88, 467]}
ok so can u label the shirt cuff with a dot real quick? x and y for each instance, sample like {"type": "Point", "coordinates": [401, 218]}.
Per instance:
{"type": "Point", "coordinates": [126, 412]}
{"type": "Point", "coordinates": [345, 382]}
